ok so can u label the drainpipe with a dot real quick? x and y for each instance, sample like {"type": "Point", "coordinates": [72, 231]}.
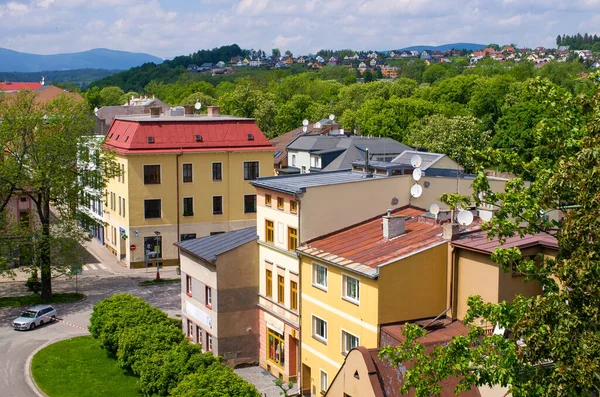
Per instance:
{"type": "Point", "coordinates": [178, 198]}
{"type": "Point", "coordinates": [299, 347]}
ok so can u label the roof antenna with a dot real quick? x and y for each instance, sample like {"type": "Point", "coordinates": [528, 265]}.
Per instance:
{"type": "Point", "coordinates": [43, 81]}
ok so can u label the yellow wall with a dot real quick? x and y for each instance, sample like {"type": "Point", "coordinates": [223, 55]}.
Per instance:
{"type": "Point", "coordinates": [476, 275]}
{"type": "Point", "coordinates": [414, 287]}
{"type": "Point", "coordinates": [359, 320]}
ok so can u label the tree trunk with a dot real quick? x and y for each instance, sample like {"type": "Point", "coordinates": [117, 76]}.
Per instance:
{"type": "Point", "coordinates": [44, 249]}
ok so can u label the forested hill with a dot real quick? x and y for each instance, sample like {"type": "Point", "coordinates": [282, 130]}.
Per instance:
{"type": "Point", "coordinates": [135, 79]}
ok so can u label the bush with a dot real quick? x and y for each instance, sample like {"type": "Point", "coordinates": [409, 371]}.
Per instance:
{"type": "Point", "coordinates": [120, 312]}
{"type": "Point", "coordinates": [139, 343]}
{"type": "Point", "coordinates": [215, 381]}
{"type": "Point", "coordinates": [33, 284]}
{"type": "Point", "coordinates": [161, 373]}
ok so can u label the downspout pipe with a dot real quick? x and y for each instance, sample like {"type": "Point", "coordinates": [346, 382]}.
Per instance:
{"type": "Point", "coordinates": [299, 347]}
{"type": "Point", "coordinates": [178, 198]}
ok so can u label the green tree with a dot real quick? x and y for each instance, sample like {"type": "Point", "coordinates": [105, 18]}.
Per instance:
{"type": "Point", "coordinates": [368, 76]}
{"type": "Point", "coordinates": [455, 137]}
{"type": "Point", "coordinates": [49, 141]}
{"type": "Point", "coordinates": [554, 343]}
{"type": "Point", "coordinates": [201, 97]}
{"type": "Point", "coordinates": [111, 96]}
{"type": "Point", "coordinates": [275, 52]}
{"type": "Point", "coordinates": [214, 381]}
{"type": "Point", "coordinates": [489, 97]}
{"type": "Point", "coordinates": [291, 114]}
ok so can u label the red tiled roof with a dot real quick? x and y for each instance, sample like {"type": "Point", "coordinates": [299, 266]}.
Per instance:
{"type": "Point", "coordinates": [19, 86]}
{"type": "Point", "coordinates": [131, 137]}
{"type": "Point", "coordinates": [478, 241]}
{"type": "Point", "coordinates": [364, 245]}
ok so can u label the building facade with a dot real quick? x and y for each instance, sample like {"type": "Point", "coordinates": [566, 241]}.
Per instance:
{"type": "Point", "coordinates": [219, 294]}
{"type": "Point", "coordinates": [182, 177]}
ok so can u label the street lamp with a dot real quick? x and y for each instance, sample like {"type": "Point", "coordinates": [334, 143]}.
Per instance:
{"type": "Point", "coordinates": [156, 251]}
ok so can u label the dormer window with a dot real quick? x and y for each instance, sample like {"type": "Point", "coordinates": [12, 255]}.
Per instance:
{"type": "Point", "coordinates": [111, 135]}
{"type": "Point", "coordinates": [117, 138]}
{"type": "Point", "coordinates": [198, 138]}
{"type": "Point", "coordinates": [250, 137]}
{"type": "Point", "coordinates": [150, 139]}
{"type": "Point", "coordinates": [126, 138]}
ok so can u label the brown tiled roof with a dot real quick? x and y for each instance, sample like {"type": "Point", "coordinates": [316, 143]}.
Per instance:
{"type": "Point", "coordinates": [478, 241]}
{"type": "Point", "coordinates": [362, 247]}
{"type": "Point", "coordinates": [438, 332]}
{"type": "Point", "coordinates": [386, 379]}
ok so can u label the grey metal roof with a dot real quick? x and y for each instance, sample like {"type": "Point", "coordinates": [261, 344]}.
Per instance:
{"type": "Point", "coordinates": [384, 165]}
{"type": "Point", "coordinates": [428, 158]}
{"type": "Point", "coordinates": [208, 248]}
{"type": "Point", "coordinates": [380, 145]}
{"type": "Point", "coordinates": [344, 161]}
{"type": "Point", "coordinates": [313, 142]}
{"type": "Point", "coordinates": [299, 183]}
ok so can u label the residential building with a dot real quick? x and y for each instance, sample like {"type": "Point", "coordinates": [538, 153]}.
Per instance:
{"type": "Point", "coordinates": [181, 177]}
{"type": "Point", "coordinates": [16, 86]}
{"type": "Point", "coordinates": [219, 293]}
{"type": "Point", "coordinates": [134, 106]}
{"type": "Point", "coordinates": [330, 153]}
{"type": "Point", "coordinates": [474, 273]}
{"type": "Point", "coordinates": [362, 277]}
{"type": "Point", "coordinates": [389, 72]}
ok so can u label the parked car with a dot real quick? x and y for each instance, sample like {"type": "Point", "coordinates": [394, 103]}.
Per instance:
{"type": "Point", "coordinates": [34, 317]}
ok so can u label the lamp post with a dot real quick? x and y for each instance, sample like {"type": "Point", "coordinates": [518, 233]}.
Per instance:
{"type": "Point", "coordinates": [156, 251]}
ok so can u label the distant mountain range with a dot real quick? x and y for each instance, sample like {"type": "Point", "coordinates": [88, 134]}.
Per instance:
{"type": "Point", "coordinates": [98, 58]}
{"type": "Point", "coordinates": [445, 47]}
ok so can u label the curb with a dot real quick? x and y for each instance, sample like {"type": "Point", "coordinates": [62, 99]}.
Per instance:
{"type": "Point", "coordinates": [28, 375]}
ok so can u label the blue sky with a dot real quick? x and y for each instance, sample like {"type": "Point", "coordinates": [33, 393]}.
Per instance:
{"type": "Point", "coordinates": [167, 28]}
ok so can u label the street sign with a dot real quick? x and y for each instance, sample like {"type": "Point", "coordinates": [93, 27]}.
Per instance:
{"type": "Point", "coordinates": [132, 247]}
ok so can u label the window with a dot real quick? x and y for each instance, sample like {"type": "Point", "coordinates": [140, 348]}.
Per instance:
{"type": "Point", "coordinates": [199, 334]}
{"type": "Point", "coordinates": [280, 203]}
{"type": "Point", "coordinates": [320, 276]}
{"type": "Point", "coordinates": [151, 174]}
{"type": "Point", "coordinates": [303, 170]}
{"type": "Point", "coordinates": [270, 232]}
{"type": "Point", "coordinates": [275, 347]}
{"type": "Point", "coordinates": [351, 288]}
{"type": "Point", "coordinates": [293, 206]}
{"type": "Point", "coordinates": [190, 330]}
{"type": "Point", "coordinates": [188, 206]}
{"type": "Point", "coordinates": [349, 342]}
{"type": "Point", "coordinates": [152, 208]}
{"type": "Point", "coordinates": [187, 236]}
{"type": "Point", "coordinates": [123, 207]}
{"type": "Point", "coordinates": [293, 160]}
{"type": "Point", "coordinates": [268, 200]}
{"type": "Point", "coordinates": [249, 203]}
{"type": "Point", "coordinates": [188, 285]}
{"type": "Point", "coordinates": [24, 218]}
{"type": "Point", "coordinates": [269, 284]}
{"type": "Point", "coordinates": [119, 205]}
{"type": "Point", "coordinates": [217, 172]}
{"type": "Point", "coordinates": [293, 295]}
{"type": "Point", "coordinates": [208, 296]}
{"type": "Point", "coordinates": [319, 329]}
{"type": "Point", "coordinates": [281, 289]}
{"type": "Point", "coordinates": [209, 342]}
{"type": "Point", "coordinates": [217, 205]}
{"type": "Point", "coordinates": [123, 167]}
{"type": "Point", "coordinates": [187, 173]}
{"type": "Point", "coordinates": [153, 244]}
{"type": "Point", "coordinates": [250, 170]}
{"type": "Point", "coordinates": [292, 239]}
{"type": "Point", "coordinates": [323, 382]}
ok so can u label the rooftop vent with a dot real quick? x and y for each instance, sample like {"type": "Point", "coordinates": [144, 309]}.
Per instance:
{"type": "Point", "coordinates": [188, 111]}
{"type": "Point", "coordinates": [198, 138]}
{"type": "Point", "coordinates": [150, 139]}
{"type": "Point", "coordinates": [126, 138]}
{"type": "Point", "coordinates": [214, 110]}
{"type": "Point", "coordinates": [250, 137]}
{"type": "Point", "coordinates": [155, 111]}
{"type": "Point", "coordinates": [117, 138]}
{"type": "Point", "coordinates": [393, 226]}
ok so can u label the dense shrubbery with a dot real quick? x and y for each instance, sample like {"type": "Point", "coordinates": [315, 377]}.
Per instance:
{"type": "Point", "coordinates": [150, 345]}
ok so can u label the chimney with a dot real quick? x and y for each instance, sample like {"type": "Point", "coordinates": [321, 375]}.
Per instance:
{"type": "Point", "coordinates": [393, 226]}
{"type": "Point", "coordinates": [155, 111]}
{"type": "Point", "coordinates": [450, 231]}
{"type": "Point", "coordinates": [368, 173]}
{"type": "Point", "coordinates": [214, 111]}
{"type": "Point", "coordinates": [188, 111]}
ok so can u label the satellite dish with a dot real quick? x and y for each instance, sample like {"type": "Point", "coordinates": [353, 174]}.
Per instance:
{"type": "Point", "coordinates": [417, 174]}
{"type": "Point", "coordinates": [95, 110]}
{"type": "Point", "coordinates": [198, 105]}
{"type": "Point", "coordinates": [317, 125]}
{"type": "Point", "coordinates": [332, 117]}
{"type": "Point", "coordinates": [416, 161]}
{"type": "Point", "coordinates": [465, 218]}
{"type": "Point", "coordinates": [434, 209]}
{"type": "Point", "coordinates": [416, 191]}
{"type": "Point", "coordinates": [305, 122]}
{"type": "Point", "coordinates": [304, 129]}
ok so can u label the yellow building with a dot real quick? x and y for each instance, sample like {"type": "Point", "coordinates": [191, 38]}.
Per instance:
{"type": "Point", "coordinates": [182, 177]}
{"type": "Point", "coordinates": [388, 269]}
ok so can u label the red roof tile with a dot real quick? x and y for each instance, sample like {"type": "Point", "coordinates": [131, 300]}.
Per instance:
{"type": "Point", "coordinates": [364, 244]}
{"type": "Point", "coordinates": [19, 86]}
{"type": "Point", "coordinates": [130, 136]}
{"type": "Point", "coordinates": [478, 241]}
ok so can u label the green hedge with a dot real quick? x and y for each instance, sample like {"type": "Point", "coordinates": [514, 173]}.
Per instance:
{"type": "Point", "coordinates": [152, 346]}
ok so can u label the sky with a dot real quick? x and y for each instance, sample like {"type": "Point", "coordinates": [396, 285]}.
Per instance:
{"type": "Point", "coordinates": [167, 28]}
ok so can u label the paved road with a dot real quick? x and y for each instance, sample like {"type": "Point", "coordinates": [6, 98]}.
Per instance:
{"type": "Point", "coordinates": [15, 346]}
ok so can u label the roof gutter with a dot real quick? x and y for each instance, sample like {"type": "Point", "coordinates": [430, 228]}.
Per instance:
{"type": "Point", "coordinates": [376, 275]}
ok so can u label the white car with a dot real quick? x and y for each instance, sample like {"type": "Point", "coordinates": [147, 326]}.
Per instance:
{"type": "Point", "coordinates": [34, 317]}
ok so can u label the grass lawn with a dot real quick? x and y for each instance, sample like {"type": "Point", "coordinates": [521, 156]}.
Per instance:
{"type": "Point", "coordinates": [33, 299]}
{"type": "Point", "coordinates": [161, 281]}
{"type": "Point", "coordinates": [78, 367]}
